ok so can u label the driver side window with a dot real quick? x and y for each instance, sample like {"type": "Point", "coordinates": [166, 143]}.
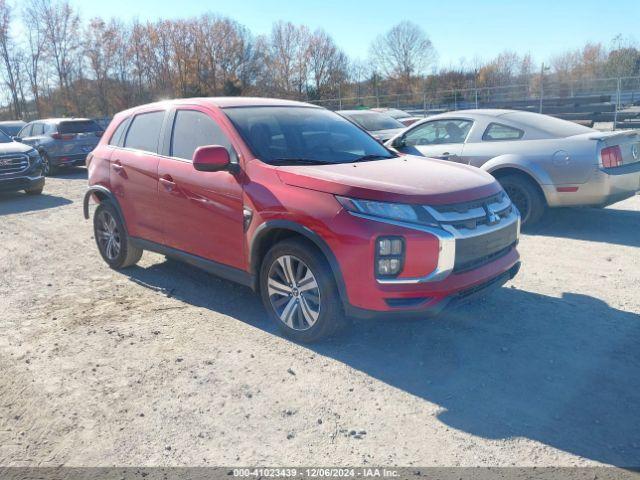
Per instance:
{"type": "Point", "coordinates": [439, 132]}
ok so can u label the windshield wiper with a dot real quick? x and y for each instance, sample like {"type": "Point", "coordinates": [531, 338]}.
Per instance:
{"type": "Point", "coordinates": [368, 158]}
{"type": "Point", "coordinates": [294, 161]}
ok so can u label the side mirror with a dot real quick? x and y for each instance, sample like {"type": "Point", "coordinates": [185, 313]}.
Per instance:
{"type": "Point", "coordinates": [211, 158]}
{"type": "Point", "coordinates": [16, 139]}
{"type": "Point", "coordinates": [398, 142]}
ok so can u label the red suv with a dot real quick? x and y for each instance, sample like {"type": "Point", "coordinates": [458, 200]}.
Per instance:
{"type": "Point", "coordinates": [301, 205]}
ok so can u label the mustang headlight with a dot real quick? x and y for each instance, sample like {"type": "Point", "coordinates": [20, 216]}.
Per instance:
{"type": "Point", "coordinates": [393, 211]}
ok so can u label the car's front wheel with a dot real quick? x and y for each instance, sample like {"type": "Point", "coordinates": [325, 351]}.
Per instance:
{"type": "Point", "coordinates": [299, 291]}
{"type": "Point", "coordinates": [111, 237]}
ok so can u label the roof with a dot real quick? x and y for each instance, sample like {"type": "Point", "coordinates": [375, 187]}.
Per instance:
{"type": "Point", "coordinates": [358, 112]}
{"type": "Point", "coordinates": [12, 122]}
{"type": "Point", "coordinates": [62, 119]}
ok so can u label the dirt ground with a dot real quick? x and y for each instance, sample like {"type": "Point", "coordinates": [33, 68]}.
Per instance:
{"type": "Point", "coordinates": [166, 365]}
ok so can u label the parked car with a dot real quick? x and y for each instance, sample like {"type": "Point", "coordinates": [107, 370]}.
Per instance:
{"type": "Point", "coordinates": [301, 205]}
{"type": "Point", "coordinates": [403, 117]}
{"type": "Point", "coordinates": [62, 142]}
{"type": "Point", "coordinates": [380, 126]}
{"type": "Point", "coordinates": [12, 127]}
{"type": "Point", "coordinates": [541, 161]}
{"type": "Point", "coordinates": [20, 167]}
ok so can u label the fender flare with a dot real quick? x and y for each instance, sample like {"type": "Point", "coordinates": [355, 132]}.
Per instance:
{"type": "Point", "coordinates": [525, 165]}
{"type": "Point", "coordinates": [306, 232]}
{"type": "Point", "coordinates": [104, 191]}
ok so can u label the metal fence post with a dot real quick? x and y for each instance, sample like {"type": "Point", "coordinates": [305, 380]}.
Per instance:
{"type": "Point", "coordinates": [476, 98]}
{"type": "Point", "coordinates": [615, 114]}
{"type": "Point", "coordinates": [424, 104]}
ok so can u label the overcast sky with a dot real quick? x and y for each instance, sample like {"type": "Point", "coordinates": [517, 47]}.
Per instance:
{"type": "Point", "coordinates": [457, 28]}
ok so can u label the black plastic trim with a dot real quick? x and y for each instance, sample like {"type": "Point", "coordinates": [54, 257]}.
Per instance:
{"type": "Point", "coordinates": [218, 269]}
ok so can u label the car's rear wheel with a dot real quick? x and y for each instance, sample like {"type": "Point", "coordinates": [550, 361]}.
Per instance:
{"type": "Point", "coordinates": [48, 169]}
{"type": "Point", "coordinates": [112, 240]}
{"type": "Point", "coordinates": [526, 197]}
{"type": "Point", "coordinates": [299, 291]}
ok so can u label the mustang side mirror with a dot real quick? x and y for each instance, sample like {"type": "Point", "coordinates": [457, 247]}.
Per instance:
{"type": "Point", "coordinates": [211, 158]}
{"type": "Point", "coordinates": [398, 142]}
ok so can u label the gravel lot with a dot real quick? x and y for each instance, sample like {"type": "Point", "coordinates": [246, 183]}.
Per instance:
{"type": "Point", "coordinates": [167, 365]}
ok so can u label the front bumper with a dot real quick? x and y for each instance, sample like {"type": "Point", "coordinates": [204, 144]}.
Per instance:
{"type": "Point", "coordinates": [439, 263]}
{"type": "Point", "coordinates": [605, 187]}
{"type": "Point", "coordinates": [21, 183]}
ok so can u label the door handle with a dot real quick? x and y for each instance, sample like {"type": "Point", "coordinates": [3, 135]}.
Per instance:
{"type": "Point", "coordinates": [167, 182]}
{"type": "Point", "coordinates": [117, 166]}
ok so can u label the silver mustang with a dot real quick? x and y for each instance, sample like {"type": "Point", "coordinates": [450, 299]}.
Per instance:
{"type": "Point", "coordinates": [540, 161]}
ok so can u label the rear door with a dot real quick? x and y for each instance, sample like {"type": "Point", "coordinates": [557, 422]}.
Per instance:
{"type": "Point", "coordinates": [202, 211]}
{"type": "Point", "coordinates": [134, 175]}
{"type": "Point", "coordinates": [443, 139]}
{"type": "Point", "coordinates": [29, 133]}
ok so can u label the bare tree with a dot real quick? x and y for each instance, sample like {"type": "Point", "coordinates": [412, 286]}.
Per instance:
{"type": "Point", "coordinates": [327, 64]}
{"type": "Point", "coordinates": [288, 47]}
{"type": "Point", "coordinates": [8, 55]}
{"type": "Point", "coordinates": [403, 52]}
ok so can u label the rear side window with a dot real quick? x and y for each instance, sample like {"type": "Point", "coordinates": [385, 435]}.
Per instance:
{"type": "Point", "coordinates": [116, 138]}
{"type": "Point", "coordinates": [79, 126]}
{"type": "Point", "coordinates": [497, 131]}
{"type": "Point", "coordinates": [193, 129]}
{"type": "Point", "coordinates": [38, 129]}
{"type": "Point", "coordinates": [145, 132]}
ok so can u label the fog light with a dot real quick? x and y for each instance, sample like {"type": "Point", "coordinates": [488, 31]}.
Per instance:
{"type": "Point", "coordinates": [389, 266]}
{"type": "Point", "coordinates": [389, 256]}
{"type": "Point", "coordinates": [389, 246]}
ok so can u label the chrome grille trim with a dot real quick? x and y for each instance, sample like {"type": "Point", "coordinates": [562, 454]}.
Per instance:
{"type": "Point", "coordinates": [13, 163]}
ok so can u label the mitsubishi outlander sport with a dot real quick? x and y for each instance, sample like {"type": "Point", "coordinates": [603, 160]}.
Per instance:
{"type": "Point", "coordinates": [301, 205]}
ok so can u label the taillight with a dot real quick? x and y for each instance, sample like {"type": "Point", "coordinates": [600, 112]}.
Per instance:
{"type": "Point", "coordinates": [63, 136]}
{"type": "Point", "coordinates": [611, 156]}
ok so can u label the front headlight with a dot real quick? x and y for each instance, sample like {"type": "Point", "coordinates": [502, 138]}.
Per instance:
{"type": "Point", "coordinates": [393, 211]}
{"type": "Point", "coordinates": [34, 156]}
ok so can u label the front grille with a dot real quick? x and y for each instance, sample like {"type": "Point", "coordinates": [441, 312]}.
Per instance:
{"type": "Point", "coordinates": [13, 163]}
{"type": "Point", "coordinates": [474, 252]}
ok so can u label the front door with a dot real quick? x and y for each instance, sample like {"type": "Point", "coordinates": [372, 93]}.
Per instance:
{"type": "Point", "coordinates": [202, 211]}
{"type": "Point", "coordinates": [443, 139]}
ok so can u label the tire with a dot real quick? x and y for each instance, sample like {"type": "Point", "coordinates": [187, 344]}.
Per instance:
{"type": "Point", "coordinates": [48, 170]}
{"type": "Point", "coordinates": [34, 191]}
{"type": "Point", "coordinates": [112, 240]}
{"type": "Point", "coordinates": [526, 197]}
{"type": "Point", "coordinates": [303, 315]}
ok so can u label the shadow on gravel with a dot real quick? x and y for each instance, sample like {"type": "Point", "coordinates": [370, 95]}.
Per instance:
{"type": "Point", "coordinates": [561, 371]}
{"type": "Point", "coordinates": [606, 225]}
{"type": "Point", "coordinates": [20, 202]}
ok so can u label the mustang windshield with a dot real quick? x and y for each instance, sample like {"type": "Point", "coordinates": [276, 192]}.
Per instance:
{"type": "Point", "coordinates": [305, 135]}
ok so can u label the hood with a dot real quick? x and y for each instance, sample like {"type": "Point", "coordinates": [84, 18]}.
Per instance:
{"type": "Point", "coordinates": [385, 135]}
{"type": "Point", "coordinates": [14, 147]}
{"type": "Point", "coordinates": [406, 179]}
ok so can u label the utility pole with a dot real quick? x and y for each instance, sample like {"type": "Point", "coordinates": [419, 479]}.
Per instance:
{"type": "Point", "coordinates": [542, 70]}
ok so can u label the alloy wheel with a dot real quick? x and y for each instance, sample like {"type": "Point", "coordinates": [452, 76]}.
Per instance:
{"type": "Point", "coordinates": [294, 292]}
{"type": "Point", "coordinates": [46, 167]}
{"type": "Point", "coordinates": [108, 236]}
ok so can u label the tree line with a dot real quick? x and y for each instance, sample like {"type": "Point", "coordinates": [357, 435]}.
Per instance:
{"type": "Point", "coordinates": [53, 63]}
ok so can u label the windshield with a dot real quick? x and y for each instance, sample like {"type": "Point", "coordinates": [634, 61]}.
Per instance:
{"type": "Point", "coordinates": [306, 134]}
{"type": "Point", "coordinates": [553, 126]}
{"type": "Point", "coordinates": [374, 121]}
{"type": "Point", "coordinates": [4, 138]}
{"type": "Point", "coordinates": [79, 126]}
{"type": "Point", "coordinates": [11, 130]}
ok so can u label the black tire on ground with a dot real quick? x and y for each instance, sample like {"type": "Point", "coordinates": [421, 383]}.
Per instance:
{"type": "Point", "coordinates": [34, 191]}
{"type": "Point", "coordinates": [328, 311]}
{"type": "Point", "coordinates": [114, 245]}
{"type": "Point", "coordinates": [48, 170]}
{"type": "Point", "coordinates": [526, 196]}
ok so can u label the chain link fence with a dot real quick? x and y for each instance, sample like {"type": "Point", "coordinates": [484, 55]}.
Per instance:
{"type": "Point", "coordinates": [604, 100]}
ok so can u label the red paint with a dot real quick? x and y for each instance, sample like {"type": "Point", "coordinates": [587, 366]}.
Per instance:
{"type": "Point", "coordinates": [165, 200]}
